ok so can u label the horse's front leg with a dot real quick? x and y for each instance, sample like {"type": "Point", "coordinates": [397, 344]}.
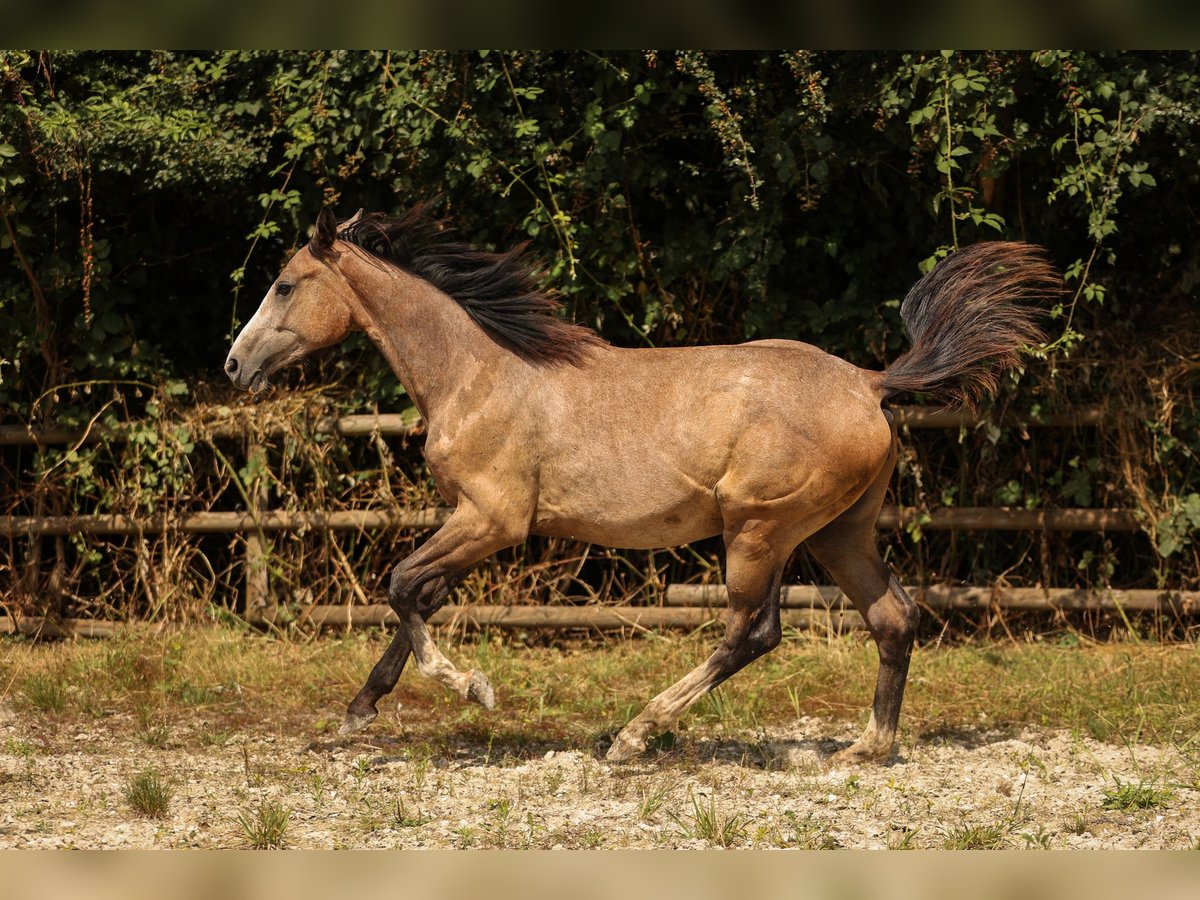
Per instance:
{"type": "Point", "coordinates": [419, 586]}
{"type": "Point", "coordinates": [363, 709]}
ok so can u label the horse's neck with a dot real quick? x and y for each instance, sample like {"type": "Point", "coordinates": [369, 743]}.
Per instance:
{"type": "Point", "coordinates": [432, 344]}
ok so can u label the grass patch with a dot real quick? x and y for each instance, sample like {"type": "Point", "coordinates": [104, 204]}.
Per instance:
{"type": "Point", "coordinates": [708, 823]}
{"type": "Point", "coordinates": [45, 692]}
{"type": "Point", "coordinates": [265, 826]}
{"type": "Point", "coordinates": [1127, 797]}
{"type": "Point", "coordinates": [570, 693]}
{"type": "Point", "coordinates": [976, 837]}
{"type": "Point", "coordinates": [156, 736]}
{"type": "Point", "coordinates": [148, 795]}
{"type": "Point", "coordinates": [650, 798]}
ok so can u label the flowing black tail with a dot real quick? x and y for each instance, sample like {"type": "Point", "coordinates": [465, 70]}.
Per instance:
{"type": "Point", "coordinates": [967, 323]}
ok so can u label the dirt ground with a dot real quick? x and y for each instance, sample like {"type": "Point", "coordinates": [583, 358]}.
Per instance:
{"type": "Point", "coordinates": [1017, 788]}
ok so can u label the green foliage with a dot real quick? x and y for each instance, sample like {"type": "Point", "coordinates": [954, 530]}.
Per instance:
{"type": "Point", "coordinates": [1180, 525]}
{"type": "Point", "coordinates": [676, 197]}
{"type": "Point", "coordinates": [148, 198]}
{"type": "Point", "coordinates": [1127, 797]}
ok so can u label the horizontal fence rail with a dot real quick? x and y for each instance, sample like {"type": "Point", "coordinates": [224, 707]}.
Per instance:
{"type": "Point", "coordinates": [687, 606]}
{"type": "Point", "coordinates": [967, 518]}
{"type": "Point", "coordinates": [398, 425]}
{"type": "Point", "coordinates": [359, 425]}
{"type": "Point", "coordinates": [683, 606]}
{"type": "Point", "coordinates": [228, 522]}
{"type": "Point", "coordinates": [591, 618]}
{"type": "Point", "coordinates": [956, 597]}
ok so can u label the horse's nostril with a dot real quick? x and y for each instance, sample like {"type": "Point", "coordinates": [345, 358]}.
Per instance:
{"type": "Point", "coordinates": [231, 366]}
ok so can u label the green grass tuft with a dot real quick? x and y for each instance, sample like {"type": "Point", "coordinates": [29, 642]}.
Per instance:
{"type": "Point", "coordinates": [265, 827]}
{"type": "Point", "coordinates": [708, 823]}
{"type": "Point", "coordinates": [1128, 797]}
{"type": "Point", "coordinates": [975, 837]}
{"type": "Point", "coordinates": [148, 795]}
{"type": "Point", "coordinates": [45, 692]}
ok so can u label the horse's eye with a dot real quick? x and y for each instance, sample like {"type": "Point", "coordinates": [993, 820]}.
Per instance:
{"type": "Point", "coordinates": [283, 289]}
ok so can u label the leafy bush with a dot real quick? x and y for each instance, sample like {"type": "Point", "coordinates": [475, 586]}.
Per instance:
{"type": "Point", "coordinates": [147, 198]}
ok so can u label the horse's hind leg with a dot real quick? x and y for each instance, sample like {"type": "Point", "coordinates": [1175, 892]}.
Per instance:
{"type": "Point", "coordinates": [846, 547]}
{"type": "Point", "coordinates": [753, 571]}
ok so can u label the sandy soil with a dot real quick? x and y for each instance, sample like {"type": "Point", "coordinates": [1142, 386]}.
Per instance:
{"type": "Point", "coordinates": [66, 788]}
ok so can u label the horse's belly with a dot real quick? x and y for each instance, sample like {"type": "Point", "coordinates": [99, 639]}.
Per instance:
{"type": "Point", "coordinates": [632, 525]}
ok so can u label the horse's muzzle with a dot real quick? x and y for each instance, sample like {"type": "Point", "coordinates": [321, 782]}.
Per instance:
{"type": "Point", "coordinates": [255, 382]}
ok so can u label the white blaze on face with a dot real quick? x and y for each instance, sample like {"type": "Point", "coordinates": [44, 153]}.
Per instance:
{"type": "Point", "coordinates": [259, 348]}
{"type": "Point", "coordinates": [250, 333]}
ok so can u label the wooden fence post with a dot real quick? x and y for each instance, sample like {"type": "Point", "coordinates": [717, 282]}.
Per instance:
{"type": "Point", "coordinates": [260, 606]}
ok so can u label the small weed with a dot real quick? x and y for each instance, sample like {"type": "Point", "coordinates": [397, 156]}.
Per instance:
{"type": "Point", "coordinates": [46, 693]}
{"type": "Point", "coordinates": [156, 736]}
{"type": "Point", "coordinates": [189, 694]}
{"type": "Point", "coordinates": [501, 806]}
{"type": "Point", "coordinates": [420, 772]}
{"type": "Point", "coordinates": [1031, 762]}
{"type": "Point", "coordinates": [466, 837]}
{"type": "Point", "coordinates": [650, 799]}
{"type": "Point", "coordinates": [24, 749]}
{"type": "Point", "coordinates": [553, 780]}
{"type": "Point", "coordinates": [715, 705]}
{"type": "Point", "coordinates": [402, 819]}
{"type": "Point", "coordinates": [1127, 797]}
{"type": "Point", "coordinates": [807, 834]}
{"type": "Point", "coordinates": [709, 824]}
{"type": "Point", "coordinates": [663, 743]}
{"type": "Point", "coordinates": [795, 697]}
{"type": "Point", "coordinates": [1079, 825]}
{"type": "Point", "coordinates": [254, 773]}
{"type": "Point", "coordinates": [148, 795]}
{"type": "Point", "coordinates": [975, 837]}
{"type": "Point", "coordinates": [1038, 840]}
{"type": "Point", "coordinates": [903, 840]}
{"type": "Point", "coordinates": [591, 839]}
{"type": "Point", "coordinates": [265, 827]}
{"type": "Point", "coordinates": [213, 737]}
{"type": "Point", "coordinates": [316, 789]}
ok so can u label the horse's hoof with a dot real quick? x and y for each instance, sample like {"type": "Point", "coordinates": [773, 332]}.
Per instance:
{"type": "Point", "coordinates": [624, 749]}
{"type": "Point", "coordinates": [858, 754]}
{"type": "Point", "coordinates": [356, 722]}
{"type": "Point", "coordinates": [479, 690]}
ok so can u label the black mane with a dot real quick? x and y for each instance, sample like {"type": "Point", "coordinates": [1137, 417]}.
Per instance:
{"type": "Point", "coordinates": [500, 291]}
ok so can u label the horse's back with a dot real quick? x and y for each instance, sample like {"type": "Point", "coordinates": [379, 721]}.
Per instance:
{"type": "Point", "coordinates": [659, 446]}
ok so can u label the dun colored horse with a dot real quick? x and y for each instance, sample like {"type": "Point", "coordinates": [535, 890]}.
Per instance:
{"type": "Point", "coordinates": [538, 426]}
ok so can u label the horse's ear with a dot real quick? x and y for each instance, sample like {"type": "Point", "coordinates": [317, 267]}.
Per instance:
{"type": "Point", "coordinates": [326, 231]}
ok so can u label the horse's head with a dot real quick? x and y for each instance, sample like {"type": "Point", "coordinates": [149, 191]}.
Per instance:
{"type": "Point", "coordinates": [307, 308]}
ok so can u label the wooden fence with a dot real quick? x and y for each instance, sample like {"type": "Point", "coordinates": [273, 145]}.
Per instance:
{"type": "Point", "coordinates": [685, 605]}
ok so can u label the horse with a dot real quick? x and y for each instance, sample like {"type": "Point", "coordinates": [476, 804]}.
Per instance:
{"type": "Point", "coordinates": [538, 426]}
